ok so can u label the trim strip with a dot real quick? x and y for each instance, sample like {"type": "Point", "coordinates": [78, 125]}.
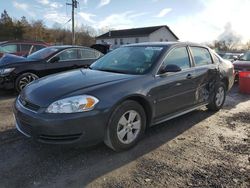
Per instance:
{"type": "Point", "coordinates": [179, 114]}
{"type": "Point", "coordinates": [18, 128]}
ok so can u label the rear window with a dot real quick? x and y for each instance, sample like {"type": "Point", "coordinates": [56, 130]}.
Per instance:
{"type": "Point", "coordinates": [201, 56]}
{"type": "Point", "coordinates": [9, 48]}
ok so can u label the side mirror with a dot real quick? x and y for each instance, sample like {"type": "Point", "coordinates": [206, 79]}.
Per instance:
{"type": "Point", "coordinates": [55, 59]}
{"type": "Point", "coordinates": [170, 68]}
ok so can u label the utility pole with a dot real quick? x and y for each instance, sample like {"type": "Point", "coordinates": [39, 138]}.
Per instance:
{"type": "Point", "coordinates": [73, 5]}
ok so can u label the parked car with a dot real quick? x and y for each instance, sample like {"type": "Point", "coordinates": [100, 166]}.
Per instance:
{"type": "Point", "coordinates": [121, 94]}
{"type": "Point", "coordinates": [231, 56]}
{"type": "Point", "coordinates": [243, 64]}
{"type": "Point", "coordinates": [16, 72]}
{"type": "Point", "coordinates": [21, 48]}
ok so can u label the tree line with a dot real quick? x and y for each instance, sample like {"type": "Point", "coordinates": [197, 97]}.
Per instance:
{"type": "Point", "coordinates": [13, 29]}
{"type": "Point", "coordinates": [22, 29]}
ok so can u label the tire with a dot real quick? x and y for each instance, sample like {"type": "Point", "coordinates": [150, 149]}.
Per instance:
{"type": "Point", "coordinates": [126, 126]}
{"type": "Point", "coordinates": [23, 80]}
{"type": "Point", "coordinates": [218, 97]}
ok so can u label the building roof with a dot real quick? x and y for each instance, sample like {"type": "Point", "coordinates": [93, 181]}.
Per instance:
{"type": "Point", "coordinates": [143, 31]}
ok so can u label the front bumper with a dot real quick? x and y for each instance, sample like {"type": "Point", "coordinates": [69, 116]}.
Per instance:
{"type": "Point", "coordinates": [6, 82]}
{"type": "Point", "coordinates": [87, 127]}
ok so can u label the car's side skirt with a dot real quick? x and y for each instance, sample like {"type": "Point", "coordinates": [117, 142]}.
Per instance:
{"type": "Point", "coordinates": [177, 114]}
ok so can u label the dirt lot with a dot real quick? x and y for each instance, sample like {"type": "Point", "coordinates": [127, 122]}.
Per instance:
{"type": "Point", "coordinates": [200, 149]}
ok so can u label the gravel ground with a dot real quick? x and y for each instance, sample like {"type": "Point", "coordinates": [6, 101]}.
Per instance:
{"type": "Point", "coordinates": [200, 149]}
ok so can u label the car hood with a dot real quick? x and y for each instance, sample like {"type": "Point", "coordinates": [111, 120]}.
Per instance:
{"type": "Point", "coordinates": [46, 90]}
{"type": "Point", "coordinates": [13, 59]}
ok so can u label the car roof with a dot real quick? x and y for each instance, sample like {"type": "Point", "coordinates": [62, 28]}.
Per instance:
{"type": "Point", "coordinates": [165, 44]}
{"type": "Point", "coordinates": [62, 47]}
{"type": "Point", "coordinates": [24, 42]}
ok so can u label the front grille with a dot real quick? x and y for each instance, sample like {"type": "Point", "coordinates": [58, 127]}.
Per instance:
{"type": "Point", "coordinates": [28, 104]}
{"type": "Point", "coordinates": [59, 138]}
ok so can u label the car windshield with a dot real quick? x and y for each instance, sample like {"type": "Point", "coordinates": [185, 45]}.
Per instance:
{"type": "Point", "coordinates": [246, 57]}
{"type": "Point", "coordinates": [129, 60]}
{"type": "Point", "coordinates": [43, 53]}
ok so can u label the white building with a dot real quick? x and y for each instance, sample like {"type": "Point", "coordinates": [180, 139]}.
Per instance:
{"type": "Point", "coordinates": [137, 35]}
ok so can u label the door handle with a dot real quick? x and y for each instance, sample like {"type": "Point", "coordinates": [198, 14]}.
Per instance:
{"type": "Point", "coordinates": [189, 76]}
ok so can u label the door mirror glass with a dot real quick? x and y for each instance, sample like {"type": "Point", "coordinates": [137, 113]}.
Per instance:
{"type": "Point", "coordinates": [55, 59]}
{"type": "Point", "coordinates": [171, 68]}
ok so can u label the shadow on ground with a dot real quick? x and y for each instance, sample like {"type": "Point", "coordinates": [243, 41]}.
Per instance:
{"type": "Point", "coordinates": [28, 164]}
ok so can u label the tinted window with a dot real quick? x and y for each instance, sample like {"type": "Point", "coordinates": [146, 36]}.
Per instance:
{"type": "Point", "coordinates": [129, 60]}
{"type": "Point", "coordinates": [25, 47]}
{"type": "Point", "coordinates": [89, 54]}
{"type": "Point", "coordinates": [9, 48]}
{"type": "Point", "coordinates": [179, 57]}
{"type": "Point", "coordinates": [70, 54]}
{"type": "Point", "coordinates": [201, 56]}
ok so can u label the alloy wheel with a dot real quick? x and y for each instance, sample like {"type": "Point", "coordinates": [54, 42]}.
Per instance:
{"type": "Point", "coordinates": [220, 95]}
{"type": "Point", "coordinates": [129, 127]}
{"type": "Point", "coordinates": [26, 80]}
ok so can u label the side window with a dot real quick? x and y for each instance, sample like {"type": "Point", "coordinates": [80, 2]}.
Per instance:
{"type": "Point", "coordinates": [25, 47]}
{"type": "Point", "coordinates": [10, 48]}
{"type": "Point", "coordinates": [179, 57]}
{"type": "Point", "coordinates": [70, 54]}
{"type": "Point", "coordinates": [201, 56]}
{"type": "Point", "coordinates": [89, 54]}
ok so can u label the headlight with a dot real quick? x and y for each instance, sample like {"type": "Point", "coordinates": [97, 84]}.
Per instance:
{"type": "Point", "coordinates": [74, 104]}
{"type": "Point", "coordinates": [6, 71]}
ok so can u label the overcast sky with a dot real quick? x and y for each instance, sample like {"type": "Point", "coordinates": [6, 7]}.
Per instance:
{"type": "Point", "coordinates": [192, 20]}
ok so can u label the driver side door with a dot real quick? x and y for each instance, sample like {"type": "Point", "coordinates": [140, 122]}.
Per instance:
{"type": "Point", "coordinates": [67, 60]}
{"type": "Point", "coordinates": [175, 91]}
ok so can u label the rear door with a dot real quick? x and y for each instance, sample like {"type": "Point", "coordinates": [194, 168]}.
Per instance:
{"type": "Point", "coordinates": [175, 91]}
{"type": "Point", "coordinates": [206, 73]}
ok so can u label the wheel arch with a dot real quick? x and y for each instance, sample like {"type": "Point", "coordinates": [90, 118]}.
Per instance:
{"type": "Point", "coordinates": [143, 102]}
{"type": "Point", "coordinates": [225, 81]}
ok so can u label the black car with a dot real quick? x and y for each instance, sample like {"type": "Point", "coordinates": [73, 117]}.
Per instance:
{"type": "Point", "coordinates": [123, 93]}
{"type": "Point", "coordinates": [16, 72]}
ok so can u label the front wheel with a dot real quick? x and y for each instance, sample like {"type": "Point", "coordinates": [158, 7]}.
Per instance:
{"type": "Point", "coordinates": [219, 97]}
{"type": "Point", "coordinates": [126, 126]}
{"type": "Point", "coordinates": [23, 80]}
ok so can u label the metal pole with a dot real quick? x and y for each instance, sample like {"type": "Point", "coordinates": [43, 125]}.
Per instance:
{"type": "Point", "coordinates": [73, 22]}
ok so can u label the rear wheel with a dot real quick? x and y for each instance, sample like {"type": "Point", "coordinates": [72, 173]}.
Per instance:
{"type": "Point", "coordinates": [126, 126]}
{"type": "Point", "coordinates": [23, 80]}
{"type": "Point", "coordinates": [219, 97]}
